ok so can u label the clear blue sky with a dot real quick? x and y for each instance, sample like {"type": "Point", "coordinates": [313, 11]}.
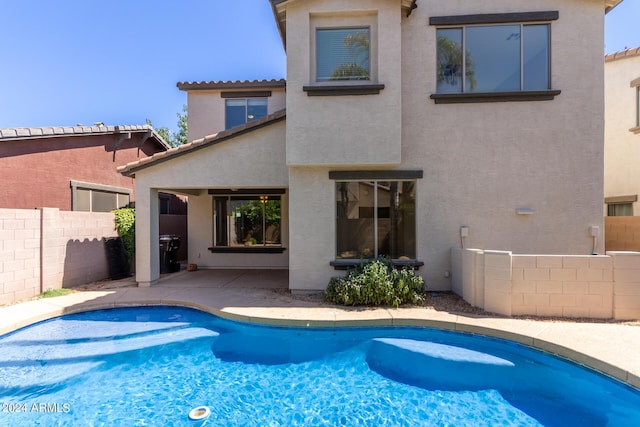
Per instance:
{"type": "Point", "coordinates": [118, 61]}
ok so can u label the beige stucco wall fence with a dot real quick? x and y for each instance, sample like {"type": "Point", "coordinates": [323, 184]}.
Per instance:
{"type": "Point", "coordinates": [591, 286]}
{"type": "Point", "coordinates": [47, 248]}
{"type": "Point", "coordinates": [622, 233]}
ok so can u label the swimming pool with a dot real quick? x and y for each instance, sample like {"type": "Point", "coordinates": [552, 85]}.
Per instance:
{"type": "Point", "coordinates": [152, 365]}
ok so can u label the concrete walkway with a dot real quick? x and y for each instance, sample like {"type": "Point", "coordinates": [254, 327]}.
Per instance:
{"type": "Point", "coordinates": [261, 296]}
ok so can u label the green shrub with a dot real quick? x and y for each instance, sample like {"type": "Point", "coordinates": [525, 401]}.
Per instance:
{"type": "Point", "coordinates": [376, 283]}
{"type": "Point", "coordinates": [126, 227]}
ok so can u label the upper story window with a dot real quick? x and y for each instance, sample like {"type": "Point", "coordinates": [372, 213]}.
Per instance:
{"type": "Point", "coordinates": [243, 110]}
{"type": "Point", "coordinates": [635, 85]}
{"type": "Point", "coordinates": [620, 209]}
{"type": "Point", "coordinates": [620, 205]}
{"type": "Point", "coordinates": [638, 106]}
{"type": "Point", "coordinates": [494, 57]}
{"type": "Point", "coordinates": [342, 54]}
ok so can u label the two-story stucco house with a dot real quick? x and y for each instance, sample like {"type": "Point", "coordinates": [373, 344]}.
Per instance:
{"type": "Point", "coordinates": [622, 149]}
{"type": "Point", "coordinates": [622, 133]}
{"type": "Point", "coordinates": [411, 127]}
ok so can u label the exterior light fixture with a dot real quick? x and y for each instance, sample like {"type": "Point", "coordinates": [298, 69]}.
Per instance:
{"type": "Point", "coordinates": [524, 211]}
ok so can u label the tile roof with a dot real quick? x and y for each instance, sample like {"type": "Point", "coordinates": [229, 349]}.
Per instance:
{"type": "Point", "coordinates": [235, 84]}
{"type": "Point", "coordinates": [278, 7]}
{"type": "Point", "coordinates": [622, 54]}
{"type": "Point", "coordinates": [130, 168]}
{"type": "Point", "coordinates": [610, 4]}
{"type": "Point", "coordinates": [14, 134]}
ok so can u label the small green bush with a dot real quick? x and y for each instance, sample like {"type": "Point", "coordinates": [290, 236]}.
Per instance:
{"type": "Point", "coordinates": [125, 219]}
{"type": "Point", "coordinates": [376, 283]}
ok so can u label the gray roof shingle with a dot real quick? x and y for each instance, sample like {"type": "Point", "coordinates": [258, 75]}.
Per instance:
{"type": "Point", "coordinates": [12, 134]}
{"type": "Point", "coordinates": [236, 84]}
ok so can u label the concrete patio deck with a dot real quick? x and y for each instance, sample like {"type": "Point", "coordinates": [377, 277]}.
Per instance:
{"type": "Point", "coordinates": [261, 296]}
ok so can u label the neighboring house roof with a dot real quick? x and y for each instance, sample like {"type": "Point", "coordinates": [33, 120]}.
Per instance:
{"type": "Point", "coordinates": [21, 134]}
{"type": "Point", "coordinates": [622, 54]}
{"type": "Point", "coordinates": [237, 84]}
{"type": "Point", "coordinates": [130, 169]}
{"type": "Point", "coordinates": [610, 4]}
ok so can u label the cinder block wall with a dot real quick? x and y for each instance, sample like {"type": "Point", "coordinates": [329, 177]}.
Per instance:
{"type": "Point", "coordinates": [591, 286]}
{"type": "Point", "coordinates": [45, 248]}
{"type": "Point", "coordinates": [83, 257]}
{"type": "Point", "coordinates": [626, 291]}
{"type": "Point", "coordinates": [20, 239]}
{"type": "Point", "coordinates": [563, 286]}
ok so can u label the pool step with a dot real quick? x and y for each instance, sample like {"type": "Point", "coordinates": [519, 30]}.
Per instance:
{"type": "Point", "coordinates": [435, 366]}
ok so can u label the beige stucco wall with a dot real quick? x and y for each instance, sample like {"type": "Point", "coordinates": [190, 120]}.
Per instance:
{"type": "Point", "coordinates": [325, 130]}
{"type": "Point", "coordinates": [622, 147]}
{"type": "Point", "coordinates": [207, 110]}
{"type": "Point", "coordinates": [253, 160]}
{"type": "Point", "coordinates": [312, 214]}
{"type": "Point", "coordinates": [482, 161]}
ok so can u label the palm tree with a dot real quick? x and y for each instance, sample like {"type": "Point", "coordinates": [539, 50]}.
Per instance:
{"type": "Point", "coordinates": [450, 63]}
{"type": "Point", "coordinates": [358, 46]}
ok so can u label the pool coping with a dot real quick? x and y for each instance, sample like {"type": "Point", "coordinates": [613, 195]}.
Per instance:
{"type": "Point", "coordinates": [601, 346]}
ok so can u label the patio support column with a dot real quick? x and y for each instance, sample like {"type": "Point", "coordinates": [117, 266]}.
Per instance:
{"type": "Point", "coordinates": [147, 236]}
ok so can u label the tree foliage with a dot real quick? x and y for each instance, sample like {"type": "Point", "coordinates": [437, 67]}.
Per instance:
{"type": "Point", "coordinates": [358, 47]}
{"type": "Point", "coordinates": [125, 220]}
{"type": "Point", "coordinates": [450, 63]}
{"type": "Point", "coordinates": [181, 136]}
{"type": "Point", "coordinates": [350, 72]}
{"type": "Point", "coordinates": [174, 139]}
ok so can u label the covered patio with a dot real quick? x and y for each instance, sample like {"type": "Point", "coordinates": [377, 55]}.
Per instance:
{"type": "Point", "coordinates": [228, 279]}
{"type": "Point", "coordinates": [236, 182]}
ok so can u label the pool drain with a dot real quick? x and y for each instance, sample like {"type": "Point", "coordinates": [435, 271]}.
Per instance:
{"type": "Point", "coordinates": [199, 413]}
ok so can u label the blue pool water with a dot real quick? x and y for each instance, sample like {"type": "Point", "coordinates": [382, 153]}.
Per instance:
{"type": "Point", "coordinates": [151, 366]}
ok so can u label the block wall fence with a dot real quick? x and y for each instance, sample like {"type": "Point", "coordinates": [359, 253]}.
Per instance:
{"type": "Point", "coordinates": [47, 248]}
{"type": "Point", "coordinates": [622, 233]}
{"type": "Point", "coordinates": [572, 286]}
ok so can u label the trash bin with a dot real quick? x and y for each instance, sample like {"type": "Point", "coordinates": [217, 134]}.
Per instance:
{"type": "Point", "coordinates": [169, 246]}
